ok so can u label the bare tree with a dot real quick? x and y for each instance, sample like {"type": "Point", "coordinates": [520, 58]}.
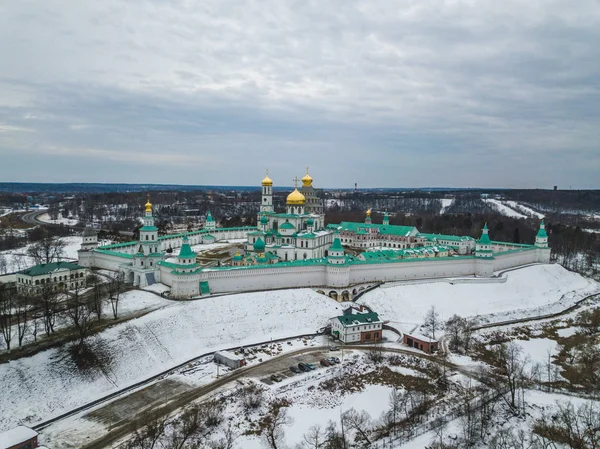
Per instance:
{"type": "Point", "coordinates": [335, 439]}
{"type": "Point", "coordinates": [360, 422]}
{"type": "Point", "coordinates": [432, 322]}
{"type": "Point", "coordinates": [48, 300]}
{"type": "Point", "coordinates": [511, 363]}
{"type": "Point", "coordinates": [3, 264]}
{"type": "Point", "coordinates": [97, 298]}
{"type": "Point", "coordinates": [375, 354]}
{"type": "Point", "coordinates": [227, 441]}
{"type": "Point", "coordinates": [80, 311]}
{"type": "Point", "coordinates": [47, 250]}
{"type": "Point", "coordinates": [114, 292]}
{"type": "Point", "coordinates": [148, 434]}
{"type": "Point", "coordinates": [6, 314]}
{"type": "Point", "coordinates": [574, 428]}
{"type": "Point", "coordinates": [273, 423]}
{"type": "Point", "coordinates": [22, 304]}
{"type": "Point", "coordinates": [314, 438]}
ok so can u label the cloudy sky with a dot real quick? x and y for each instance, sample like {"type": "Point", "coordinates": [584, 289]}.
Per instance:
{"type": "Point", "coordinates": [384, 93]}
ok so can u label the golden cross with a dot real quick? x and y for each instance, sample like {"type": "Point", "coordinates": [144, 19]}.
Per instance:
{"type": "Point", "coordinates": [296, 182]}
{"type": "Point", "coordinates": [307, 170]}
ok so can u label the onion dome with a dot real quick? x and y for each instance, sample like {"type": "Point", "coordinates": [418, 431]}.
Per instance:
{"type": "Point", "coordinates": [88, 232]}
{"type": "Point", "coordinates": [295, 198]}
{"type": "Point", "coordinates": [307, 180]}
{"type": "Point", "coordinates": [267, 181]}
{"type": "Point", "coordinates": [310, 222]}
{"type": "Point", "coordinates": [369, 212]}
{"type": "Point", "coordinates": [259, 245]}
{"type": "Point", "coordinates": [237, 256]}
{"type": "Point", "coordinates": [264, 220]}
{"type": "Point", "coordinates": [148, 205]}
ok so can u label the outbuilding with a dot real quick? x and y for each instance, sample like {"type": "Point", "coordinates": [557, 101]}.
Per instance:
{"type": "Point", "coordinates": [20, 437]}
{"type": "Point", "coordinates": [357, 325]}
{"type": "Point", "coordinates": [229, 359]}
{"type": "Point", "coordinates": [421, 342]}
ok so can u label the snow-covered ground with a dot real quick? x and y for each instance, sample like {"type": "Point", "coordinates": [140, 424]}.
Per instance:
{"type": "Point", "coordinates": [528, 210]}
{"type": "Point", "coordinates": [446, 203]}
{"type": "Point", "coordinates": [504, 209]}
{"type": "Point", "coordinates": [47, 384]}
{"type": "Point", "coordinates": [65, 221]}
{"type": "Point", "coordinates": [212, 246]}
{"type": "Point", "coordinates": [17, 259]}
{"type": "Point", "coordinates": [529, 291]}
{"type": "Point", "coordinates": [538, 349]}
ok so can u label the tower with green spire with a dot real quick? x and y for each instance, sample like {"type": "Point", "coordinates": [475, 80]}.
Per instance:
{"type": "Point", "coordinates": [335, 253]}
{"type": "Point", "coordinates": [209, 224]}
{"type": "Point", "coordinates": [483, 247]}
{"type": "Point", "coordinates": [386, 218]}
{"type": "Point", "coordinates": [541, 238]}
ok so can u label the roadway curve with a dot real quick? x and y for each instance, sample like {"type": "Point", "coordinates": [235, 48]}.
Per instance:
{"type": "Point", "coordinates": [178, 401]}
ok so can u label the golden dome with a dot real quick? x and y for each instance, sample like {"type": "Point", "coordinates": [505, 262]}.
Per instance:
{"type": "Point", "coordinates": [369, 212]}
{"type": "Point", "coordinates": [307, 180]}
{"type": "Point", "coordinates": [148, 205]}
{"type": "Point", "coordinates": [295, 198]}
{"type": "Point", "coordinates": [267, 181]}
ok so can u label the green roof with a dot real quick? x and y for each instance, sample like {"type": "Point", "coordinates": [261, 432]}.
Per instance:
{"type": "Point", "coordinates": [336, 245]}
{"type": "Point", "coordinates": [46, 268]}
{"type": "Point", "coordinates": [542, 232]}
{"type": "Point", "coordinates": [259, 245]}
{"type": "Point", "coordinates": [264, 219]}
{"type": "Point", "coordinates": [451, 238]}
{"type": "Point", "coordinates": [148, 228]}
{"type": "Point", "coordinates": [186, 251]}
{"type": "Point", "coordinates": [209, 217]}
{"type": "Point", "coordinates": [359, 318]}
{"type": "Point", "coordinates": [485, 239]}
{"type": "Point", "coordinates": [287, 225]}
{"type": "Point", "coordinates": [383, 229]}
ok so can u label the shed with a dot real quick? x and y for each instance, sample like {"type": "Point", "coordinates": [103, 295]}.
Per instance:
{"type": "Point", "coordinates": [421, 342]}
{"type": "Point", "coordinates": [229, 359]}
{"type": "Point", "coordinates": [20, 437]}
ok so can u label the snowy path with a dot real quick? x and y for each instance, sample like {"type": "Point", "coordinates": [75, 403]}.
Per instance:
{"type": "Point", "coordinates": [503, 209]}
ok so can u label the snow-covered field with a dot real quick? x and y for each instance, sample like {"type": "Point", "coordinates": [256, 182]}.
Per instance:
{"type": "Point", "coordinates": [528, 291]}
{"type": "Point", "coordinates": [17, 259]}
{"type": "Point", "coordinates": [65, 221]}
{"type": "Point", "coordinates": [504, 209]}
{"type": "Point", "coordinates": [47, 384]}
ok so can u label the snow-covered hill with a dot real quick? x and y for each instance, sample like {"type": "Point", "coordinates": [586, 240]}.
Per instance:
{"type": "Point", "coordinates": [528, 291]}
{"type": "Point", "coordinates": [47, 384]}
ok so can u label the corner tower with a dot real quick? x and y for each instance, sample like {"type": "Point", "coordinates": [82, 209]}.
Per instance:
{"type": "Point", "coordinates": [541, 239]}
{"type": "Point", "coordinates": [483, 247]}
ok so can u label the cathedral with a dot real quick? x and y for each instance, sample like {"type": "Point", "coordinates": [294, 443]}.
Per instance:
{"type": "Point", "coordinates": [295, 248]}
{"type": "Point", "coordinates": [298, 232]}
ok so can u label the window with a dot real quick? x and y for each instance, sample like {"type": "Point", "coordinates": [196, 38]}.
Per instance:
{"type": "Point", "coordinates": [146, 237]}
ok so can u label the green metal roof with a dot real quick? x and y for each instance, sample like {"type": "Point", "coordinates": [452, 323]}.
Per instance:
{"type": "Point", "coordinates": [336, 245]}
{"type": "Point", "coordinates": [186, 251]}
{"type": "Point", "coordinates": [485, 239]}
{"type": "Point", "coordinates": [286, 225]}
{"type": "Point", "coordinates": [383, 229]}
{"type": "Point", "coordinates": [542, 231]}
{"type": "Point", "coordinates": [209, 217]}
{"type": "Point", "coordinates": [114, 253]}
{"type": "Point", "coordinates": [47, 268]}
{"type": "Point", "coordinates": [451, 238]}
{"type": "Point", "coordinates": [359, 318]}
{"type": "Point", "coordinates": [148, 228]}
{"type": "Point", "coordinates": [259, 245]}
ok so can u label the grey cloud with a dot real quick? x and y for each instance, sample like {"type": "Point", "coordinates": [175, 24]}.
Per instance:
{"type": "Point", "coordinates": [384, 93]}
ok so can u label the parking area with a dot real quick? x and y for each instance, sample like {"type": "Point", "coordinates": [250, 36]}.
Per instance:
{"type": "Point", "coordinates": [282, 370]}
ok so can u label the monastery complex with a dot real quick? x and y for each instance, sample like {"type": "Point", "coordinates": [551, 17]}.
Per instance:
{"type": "Point", "coordinates": [295, 248]}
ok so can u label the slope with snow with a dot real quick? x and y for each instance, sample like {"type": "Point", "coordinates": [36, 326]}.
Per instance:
{"type": "Point", "coordinates": [48, 383]}
{"type": "Point", "coordinates": [504, 209]}
{"type": "Point", "coordinates": [446, 203]}
{"type": "Point", "coordinates": [531, 290]}
{"type": "Point", "coordinates": [529, 211]}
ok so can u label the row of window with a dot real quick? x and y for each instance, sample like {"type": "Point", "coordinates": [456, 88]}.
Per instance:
{"type": "Point", "coordinates": [43, 281]}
